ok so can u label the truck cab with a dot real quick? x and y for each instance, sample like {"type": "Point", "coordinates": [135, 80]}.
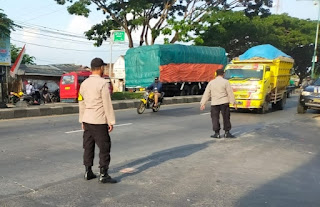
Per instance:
{"type": "Point", "coordinates": [250, 84]}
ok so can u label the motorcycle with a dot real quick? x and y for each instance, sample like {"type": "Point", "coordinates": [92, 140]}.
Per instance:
{"type": "Point", "coordinates": [54, 97]}
{"type": "Point", "coordinates": [15, 97]}
{"type": "Point", "coordinates": [147, 102]}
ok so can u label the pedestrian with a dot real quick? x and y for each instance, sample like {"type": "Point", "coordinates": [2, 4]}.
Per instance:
{"type": "Point", "coordinates": [45, 91]}
{"type": "Point", "coordinates": [221, 94]}
{"type": "Point", "coordinates": [97, 118]}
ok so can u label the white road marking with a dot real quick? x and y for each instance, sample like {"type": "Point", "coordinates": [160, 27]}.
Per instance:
{"type": "Point", "coordinates": [205, 114]}
{"type": "Point", "coordinates": [117, 125]}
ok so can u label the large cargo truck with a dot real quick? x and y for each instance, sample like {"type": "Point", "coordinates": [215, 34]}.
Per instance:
{"type": "Point", "coordinates": [183, 70]}
{"type": "Point", "coordinates": [260, 77]}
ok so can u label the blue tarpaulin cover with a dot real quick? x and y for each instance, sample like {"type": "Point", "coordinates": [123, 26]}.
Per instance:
{"type": "Point", "coordinates": [263, 51]}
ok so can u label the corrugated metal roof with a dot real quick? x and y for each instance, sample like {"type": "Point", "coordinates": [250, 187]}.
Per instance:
{"type": "Point", "coordinates": [55, 70]}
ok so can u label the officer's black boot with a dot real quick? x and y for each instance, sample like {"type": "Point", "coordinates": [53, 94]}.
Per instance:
{"type": "Point", "coordinates": [104, 177]}
{"type": "Point", "coordinates": [88, 175]}
{"type": "Point", "coordinates": [228, 135]}
{"type": "Point", "coordinates": [216, 135]}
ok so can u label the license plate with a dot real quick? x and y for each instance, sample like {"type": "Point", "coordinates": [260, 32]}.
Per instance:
{"type": "Point", "coordinates": [66, 88]}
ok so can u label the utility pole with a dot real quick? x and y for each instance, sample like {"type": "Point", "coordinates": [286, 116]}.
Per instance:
{"type": "Point", "coordinates": [314, 59]}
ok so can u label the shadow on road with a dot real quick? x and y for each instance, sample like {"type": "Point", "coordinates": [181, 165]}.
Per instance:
{"type": "Point", "coordinates": [298, 188]}
{"type": "Point", "coordinates": [160, 157]}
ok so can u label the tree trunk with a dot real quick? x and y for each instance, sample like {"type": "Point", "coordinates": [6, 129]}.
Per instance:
{"type": "Point", "coordinates": [129, 37]}
{"type": "Point", "coordinates": [175, 38]}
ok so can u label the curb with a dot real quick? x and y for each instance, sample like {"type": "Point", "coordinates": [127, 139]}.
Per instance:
{"type": "Point", "coordinates": [34, 111]}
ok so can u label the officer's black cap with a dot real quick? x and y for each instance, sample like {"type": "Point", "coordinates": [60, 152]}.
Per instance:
{"type": "Point", "coordinates": [97, 63]}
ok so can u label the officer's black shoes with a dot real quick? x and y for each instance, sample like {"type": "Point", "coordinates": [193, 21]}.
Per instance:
{"type": "Point", "coordinates": [228, 135]}
{"type": "Point", "coordinates": [216, 135]}
{"type": "Point", "coordinates": [104, 177]}
{"type": "Point", "coordinates": [88, 175]}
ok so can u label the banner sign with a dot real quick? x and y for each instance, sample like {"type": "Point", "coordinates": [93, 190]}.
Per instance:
{"type": "Point", "coordinates": [5, 54]}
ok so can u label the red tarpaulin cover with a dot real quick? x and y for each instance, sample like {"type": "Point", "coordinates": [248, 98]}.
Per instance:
{"type": "Point", "coordinates": [188, 72]}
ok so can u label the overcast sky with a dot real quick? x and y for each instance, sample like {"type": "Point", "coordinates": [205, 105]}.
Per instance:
{"type": "Point", "coordinates": [46, 13]}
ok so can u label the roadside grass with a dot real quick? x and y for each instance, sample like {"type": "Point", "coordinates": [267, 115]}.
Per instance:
{"type": "Point", "coordinates": [126, 95]}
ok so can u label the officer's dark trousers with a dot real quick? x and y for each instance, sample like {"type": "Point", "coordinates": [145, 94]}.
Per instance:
{"type": "Point", "coordinates": [96, 134]}
{"type": "Point", "coordinates": [215, 116]}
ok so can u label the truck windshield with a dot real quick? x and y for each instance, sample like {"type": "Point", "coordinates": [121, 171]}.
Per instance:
{"type": "Point", "coordinates": [243, 74]}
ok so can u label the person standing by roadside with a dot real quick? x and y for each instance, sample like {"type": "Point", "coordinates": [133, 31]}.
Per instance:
{"type": "Point", "coordinates": [97, 118]}
{"type": "Point", "coordinates": [221, 94]}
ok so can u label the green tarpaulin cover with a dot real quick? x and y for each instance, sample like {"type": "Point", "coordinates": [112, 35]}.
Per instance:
{"type": "Point", "coordinates": [142, 63]}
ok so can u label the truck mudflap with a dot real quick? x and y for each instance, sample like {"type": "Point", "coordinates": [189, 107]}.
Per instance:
{"type": "Point", "coordinates": [248, 104]}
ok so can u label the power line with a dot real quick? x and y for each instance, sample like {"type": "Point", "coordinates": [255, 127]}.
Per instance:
{"type": "Point", "coordinates": [47, 28]}
{"type": "Point", "coordinates": [49, 37]}
{"type": "Point", "coordinates": [59, 48]}
{"type": "Point", "coordinates": [53, 32]}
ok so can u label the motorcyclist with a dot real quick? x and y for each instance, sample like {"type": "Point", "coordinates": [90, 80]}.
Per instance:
{"type": "Point", "coordinates": [29, 88]}
{"type": "Point", "coordinates": [156, 87]}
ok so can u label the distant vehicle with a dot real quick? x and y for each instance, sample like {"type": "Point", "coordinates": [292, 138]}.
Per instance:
{"type": "Point", "coordinates": [258, 81]}
{"type": "Point", "coordinates": [70, 85]}
{"type": "Point", "coordinates": [183, 70]}
{"type": "Point", "coordinates": [309, 98]}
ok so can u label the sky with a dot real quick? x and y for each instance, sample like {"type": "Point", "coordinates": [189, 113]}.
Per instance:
{"type": "Point", "coordinates": [39, 16]}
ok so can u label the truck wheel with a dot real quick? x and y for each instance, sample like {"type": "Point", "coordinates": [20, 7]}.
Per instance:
{"type": "Point", "coordinates": [194, 90]}
{"type": "Point", "coordinates": [185, 91]}
{"type": "Point", "coordinates": [141, 108]}
{"type": "Point", "coordinates": [280, 104]}
{"type": "Point", "coordinates": [301, 109]}
{"type": "Point", "coordinates": [264, 109]}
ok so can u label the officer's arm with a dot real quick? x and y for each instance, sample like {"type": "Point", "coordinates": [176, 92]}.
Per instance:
{"type": "Point", "coordinates": [82, 105]}
{"type": "Point", "coordinates": [107, 105]}
{"type": "Point", "coordinates": [206, 95]}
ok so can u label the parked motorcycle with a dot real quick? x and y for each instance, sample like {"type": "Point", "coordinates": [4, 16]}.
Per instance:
{"type": "Point", "coordinates": [54, 97]}
{"type": "Point", "coordinates": [15, 97]}
{"type": "Point", "coordinates": [147, 102]}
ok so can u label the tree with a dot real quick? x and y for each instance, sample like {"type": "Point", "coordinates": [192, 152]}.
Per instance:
{"type": "Point", "coordinates": [195, 12]}
{"type": "Point", "coordinates": [6, 24]}
{"type": "Point", "coordinates": [236, 33]}
{"type": "Point", "coordinates": [27, 59]}
{"type": "Point", "coordinates": [151, 16]}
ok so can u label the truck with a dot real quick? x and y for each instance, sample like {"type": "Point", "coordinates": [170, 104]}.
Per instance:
{"type": "Point", "coordinates": [260, 77]}
{"type": "Point", "coordinates": [183, 70]}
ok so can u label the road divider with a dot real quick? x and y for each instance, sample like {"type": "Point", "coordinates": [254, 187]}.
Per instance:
{"type": "Point", "coordinates": [72, 108]}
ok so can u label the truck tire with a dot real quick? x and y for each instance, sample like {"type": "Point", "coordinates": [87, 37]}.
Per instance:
{"type": "Point", "coordinates": [301, 109]}
{"type": "Point", "coordinates": [194, 90]}
{"type": "Point", "coordinates": [280, 104]}
{"type": "Point", "coordinates": [264, 109]}
{"type": "Point", "coordinates": [185, 91]}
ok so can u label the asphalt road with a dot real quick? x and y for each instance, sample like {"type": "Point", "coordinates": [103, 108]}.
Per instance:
{"type": "Point", "coordinates": [171, 160]}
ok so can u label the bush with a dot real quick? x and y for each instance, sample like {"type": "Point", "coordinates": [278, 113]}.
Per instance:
{"type": "Point", "coordinates": [126, 95]}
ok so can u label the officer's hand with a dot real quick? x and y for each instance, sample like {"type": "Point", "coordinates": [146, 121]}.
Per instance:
{"type": "Point", "coordinates": [202, 107]}
{"type": "Point", "coordinates": [235, 106]}
{"type": "Point", "coordinates": [110, 128]}
{"type": "Point", "coordinates": [82, 126]}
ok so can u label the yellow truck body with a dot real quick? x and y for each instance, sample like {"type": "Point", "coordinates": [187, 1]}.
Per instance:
{"type": "Point", "coordinates": [257, 83]}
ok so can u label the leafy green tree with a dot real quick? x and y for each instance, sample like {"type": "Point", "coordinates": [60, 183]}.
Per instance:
{"type": "Point", "coordinates": [153, 16]}
{"type": "Point", "coordinates": [6, 24]}
{"type": "Point", "coordinates": [236, 33]}
{"type": "Point", "coordinates": [195, 12]}
{"type": "Point", "coordinates": [27, 59]}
